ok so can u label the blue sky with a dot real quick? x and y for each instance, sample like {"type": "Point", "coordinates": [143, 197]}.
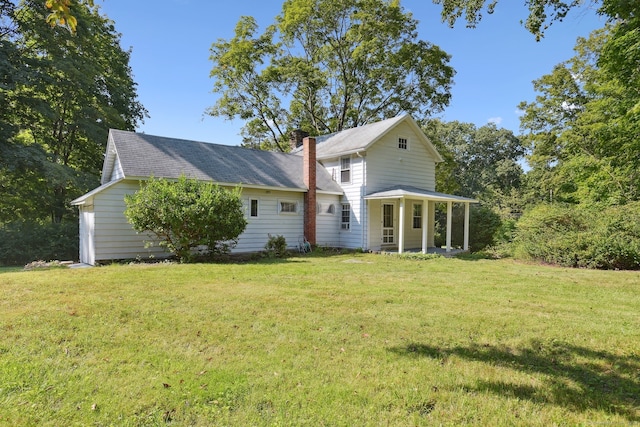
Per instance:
{"type": "Point", "coordinates": [170, 40]}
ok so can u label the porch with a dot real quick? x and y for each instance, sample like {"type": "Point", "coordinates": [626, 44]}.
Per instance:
{"type": "Point", "coordinates": [407, 220]}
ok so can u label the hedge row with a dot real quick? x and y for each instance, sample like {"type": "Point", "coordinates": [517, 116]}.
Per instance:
{"type": "Point", "coordinates": [603, 238]}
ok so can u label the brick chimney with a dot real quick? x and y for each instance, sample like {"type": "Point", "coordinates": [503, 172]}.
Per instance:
{"type": "Point", "coordinates": [309, 166]}
{"type": "Point", "coordinates": [296, 137]}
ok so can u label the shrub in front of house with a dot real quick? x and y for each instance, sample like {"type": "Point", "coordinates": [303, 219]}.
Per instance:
{"type": "Point", "coordinates": [276, 246]}
{"type": "Point", "coordinates": [188, 216]}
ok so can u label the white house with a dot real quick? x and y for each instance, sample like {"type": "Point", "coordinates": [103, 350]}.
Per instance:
{"type": "Point", "coordinates": [370, 187]}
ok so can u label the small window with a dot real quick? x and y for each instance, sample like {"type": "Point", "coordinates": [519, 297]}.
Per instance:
{"type": "Point", "coordinates": [345, 223]}
{"type": "Point", "coordinates": [402, 143]}
{"type": "Point", "coordinates": [345, 169]}
{"type": "Point", "coordinates": [325, 208]}
{"type": "Point", "coordinates": [288, 207]}
{"type": "Point", "coordinates": [417, 215]}
{"type": "Point", "coordinates": [253, 208]}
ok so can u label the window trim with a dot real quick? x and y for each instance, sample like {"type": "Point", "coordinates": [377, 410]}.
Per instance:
{"type": "Point", "coordinates": [345, 226]}
{"type": "Point", "coordinates": [406, 143]}
{"type": "Point", "coordinates": [414, 216]}
{"type": "Point", "coordinates": [325, 208]}
{"type": "Point", "coordinates": [343, 170]}
{"type": "Point", "coordinates": [287, 201]}
{"type": "Point", "coordinates": [251, 200]}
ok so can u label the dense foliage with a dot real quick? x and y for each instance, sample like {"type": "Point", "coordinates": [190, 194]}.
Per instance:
{"type": "Point", "coordinates": [59, 95]}
{"type": "Point", "coordinates": [593, 237]}
{"type": "Point", "coordinates": [338, 65]}
{"type": "Point", "coordinates": [24, 241]}
{"type": "Point", "coordinates": [580, 195]}
{"type": "Point", "coordinates": [187, 216]}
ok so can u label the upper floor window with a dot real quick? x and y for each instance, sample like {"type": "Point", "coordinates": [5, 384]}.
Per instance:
{"type": "Point", "coordinates": [403, 143]}
{"type": "Point", "coordinates": [345, 169]}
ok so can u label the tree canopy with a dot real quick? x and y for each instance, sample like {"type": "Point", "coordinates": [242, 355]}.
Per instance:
{"type": "Point", "coordinates": [542, 13]}
{"type": "Point", "coordinates": [336, 64]}
{"type": "Point", "coordinates": [481, 163]}
{"type": "Point", "coordinates": [583, 126]}
{"type": "Point", "coordinates": [61, 13]}
{"type": "Point", "coordinates": [60, 94]}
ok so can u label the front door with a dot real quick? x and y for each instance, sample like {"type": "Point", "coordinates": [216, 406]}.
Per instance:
{"type": "Point", "coordinates": [388, 231]}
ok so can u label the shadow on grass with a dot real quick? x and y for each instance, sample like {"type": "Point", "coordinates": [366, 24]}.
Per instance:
{"type": "Point", "coordinates": [475, 256]}
{"type": "Point", "coordinates": [577, 378]}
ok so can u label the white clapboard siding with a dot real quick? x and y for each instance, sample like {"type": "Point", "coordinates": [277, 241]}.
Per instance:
{"type": "Point", "coordinates": [328, 224]}
{"type": "Point", "coordinates": [270, 220]}
{"type": "Point", "coordinates": [114, 238]}
{"type": "Point", "coordinates": [87, 227]}
{"type": "Point", "coordinates": [388, 165]}
{"type": "Point", "coordinates": [352, 238]}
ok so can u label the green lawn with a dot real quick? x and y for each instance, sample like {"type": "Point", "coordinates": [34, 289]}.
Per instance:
{"type": "Point", "coordinates": [348, 340]}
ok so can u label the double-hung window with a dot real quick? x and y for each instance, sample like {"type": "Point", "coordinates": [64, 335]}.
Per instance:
{"type": "Point", "coordinates": [403, 143]}
{"type": "Point", "coordinates": [417, 215]}
{"type": "Point", "coordinates": [345, 170]}
{"type": "Point", "coordinates": [345, 221]}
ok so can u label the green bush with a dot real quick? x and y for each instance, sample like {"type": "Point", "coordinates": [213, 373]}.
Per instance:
{"type": "Point", "coordinates": [189, 217]}
{"type": "Point", "coordinates": [572, 236]}
{"type": "Point", "coordinates": [276, 246]}
{"type": "Point", "coordinates": [484, 223]}
{"type": "Point", "coordinates": [22, 242]}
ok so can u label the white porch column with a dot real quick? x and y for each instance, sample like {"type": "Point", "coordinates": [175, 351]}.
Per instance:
{"type": "Point", "coordinates": [449, 215]}
{"type": "Point", "coordinates": [466, 226]}
{"type": "Point", "coordinates": [401, 226]}
{"type": "Point", "coordinates": [425, 223]}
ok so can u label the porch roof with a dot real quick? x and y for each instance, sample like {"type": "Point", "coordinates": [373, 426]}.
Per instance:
{"type": "Point", "coordinates": [405, 191]}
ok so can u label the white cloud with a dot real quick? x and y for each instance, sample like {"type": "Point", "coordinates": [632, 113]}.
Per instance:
{"type": "Point", "coordinates": [495, 120]}
{"type": "Point", "coordinates": [519, 112]}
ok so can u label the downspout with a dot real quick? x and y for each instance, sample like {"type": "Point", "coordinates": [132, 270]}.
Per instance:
{"type": "Point", "coordinates": [363, 203]}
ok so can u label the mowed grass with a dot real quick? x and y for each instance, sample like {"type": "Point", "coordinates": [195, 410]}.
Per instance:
{"type": "Point", "coordinates": [344, 340]}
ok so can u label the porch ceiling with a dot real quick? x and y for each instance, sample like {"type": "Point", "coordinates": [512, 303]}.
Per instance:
{"type": "Point", "coordinates": [404, 191]}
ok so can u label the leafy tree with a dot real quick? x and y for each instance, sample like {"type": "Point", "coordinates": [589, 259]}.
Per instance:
{"type": "Point", "coordinates": [59, 94]}
{"type": "Point", "coordinates": [337, 64]}
{"type": "Point", "coordinates": [62, 95]}
{"type": "Point", "coordinates": [583, 129]}
{"type": "Point", "coordinates": [186, 214]}
{"type": "Point", "coordinates": [479, 162]}
{"type": "Point", "coordinates": [542, 13]}
{"type": "Point", "coordinates": [61, 13]}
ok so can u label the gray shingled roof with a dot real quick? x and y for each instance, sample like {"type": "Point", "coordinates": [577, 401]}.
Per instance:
{"type": "Point", "coordinates": [352, 140]}
{"type": "Point", "coordinates": [360, 138]}
{"type": "Point", "coordinates": [143, 155]}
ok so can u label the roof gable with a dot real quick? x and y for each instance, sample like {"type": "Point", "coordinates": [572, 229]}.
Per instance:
{"type": "Point", "coordinates": [350, 141]}
{"type": "Point", "coordinates": [142, 156]}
